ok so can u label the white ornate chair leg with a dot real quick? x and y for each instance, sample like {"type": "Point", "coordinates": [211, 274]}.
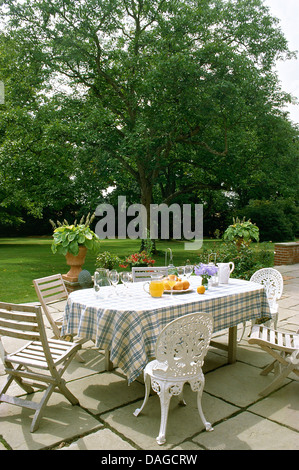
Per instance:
{"type": "Point", "coordinates": [147, 383]}
{"type": "Point", "coordinates": [199, 386]}
{"type": "Point", "coordinates": [181, 399]}
{"type": "Point", "coordinates": [165, 396]}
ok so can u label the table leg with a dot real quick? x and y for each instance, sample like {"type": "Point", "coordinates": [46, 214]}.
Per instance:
{"type": "Point", "coordinates": [232, 344]}
{"type": "Point", "coordinates": [108, 363]}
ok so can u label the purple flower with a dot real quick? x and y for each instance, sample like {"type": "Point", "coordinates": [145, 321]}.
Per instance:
{"type": "Point", "coordinates": [205, 270]}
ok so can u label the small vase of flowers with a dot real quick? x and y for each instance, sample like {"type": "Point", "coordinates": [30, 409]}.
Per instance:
{"type": "Point", "coordinates": [206, 271]}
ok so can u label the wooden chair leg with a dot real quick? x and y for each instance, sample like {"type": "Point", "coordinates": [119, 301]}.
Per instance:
{"type": "Point", "coordinates": [39, 412]}
{"type": "Point", "coordinates": [277, 381]}
{"type": "Point", "coordinates": [68, 395]}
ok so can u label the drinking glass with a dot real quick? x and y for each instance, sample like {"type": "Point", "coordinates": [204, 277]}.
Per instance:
{"type": "Point", "coordinates": [181, 271]}
{"type": "Point", "coordinates": [171, 282]}
{"type": "Point", "coordinates": [100, 280]}
{"type": "Point", "coordinates": [125, 278]}
{"type": "Point", "coordinates": [114, 278]}
{"type": "Point", "coordinates": [188, 270]}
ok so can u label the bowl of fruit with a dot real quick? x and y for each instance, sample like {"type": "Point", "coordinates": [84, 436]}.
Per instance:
{"type": "Point", "coordinates": [176, 285]}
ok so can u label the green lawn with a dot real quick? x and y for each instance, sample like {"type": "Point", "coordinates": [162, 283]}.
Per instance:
{"type": "Point", "coordinates": [24, 259]}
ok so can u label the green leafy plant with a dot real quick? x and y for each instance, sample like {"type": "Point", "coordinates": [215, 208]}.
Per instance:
{"type": "Point", "coordinates": [246, 260]}
{"type": "Point", "coordinates": [241, 232]}
{"type": "Point", "coordinates": [107, 260]}
{"type": "Point", "coordinates": [68, 238]}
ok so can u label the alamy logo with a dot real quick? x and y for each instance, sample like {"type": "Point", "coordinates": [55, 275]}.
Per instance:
{"type": "Point", "coordinates": [137, 227]}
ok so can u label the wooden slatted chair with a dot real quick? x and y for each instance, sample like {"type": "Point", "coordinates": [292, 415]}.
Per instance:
{"type": "Point", "coordinates": [51, 290]}
{"type": "Point", "coordinates": [284, 347]}
{"type": "Point", "coordinates": [140, 274]}
{"type": "Point", "coordinates": [39, 363]}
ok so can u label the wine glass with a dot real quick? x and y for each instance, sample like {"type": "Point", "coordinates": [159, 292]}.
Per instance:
{"type": "Point", "coordinates": [125, 278]}
{"type": "Point", "coordinates": [181, 271]}
{"type": "Point", "coordinates": [114, 278]}
{"type": "Point", "coordinates": [188, 270]}
{"type": "Point", "coordinates": [171, 281]}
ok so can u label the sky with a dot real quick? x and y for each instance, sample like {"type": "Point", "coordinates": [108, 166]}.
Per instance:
{"type": "Point", "coordinates": [287, 11]}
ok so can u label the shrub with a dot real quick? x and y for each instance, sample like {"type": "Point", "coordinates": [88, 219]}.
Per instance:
{"type": "Point", "coordinates": [246, 259]}
{"type": "Point", "coordinates": [107, 260]}
{"type": "Point", "coordinates": [277, 220]}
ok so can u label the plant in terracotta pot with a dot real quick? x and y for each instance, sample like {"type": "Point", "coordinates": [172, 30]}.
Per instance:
{"type": "Point", "coordinates": [241, 232]}
{"type": "Point", "coordinates": [73, 241]}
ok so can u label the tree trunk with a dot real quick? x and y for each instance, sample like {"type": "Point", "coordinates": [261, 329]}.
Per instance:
{"type": "Point", "coordinates": [146, 199]}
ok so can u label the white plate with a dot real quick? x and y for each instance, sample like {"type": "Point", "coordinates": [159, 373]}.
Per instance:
{"type": "Point", "coordinates": [178, 291]}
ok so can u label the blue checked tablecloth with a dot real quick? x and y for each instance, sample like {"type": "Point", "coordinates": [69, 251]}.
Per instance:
{"type": "Point", "coordinates": [129, 325]}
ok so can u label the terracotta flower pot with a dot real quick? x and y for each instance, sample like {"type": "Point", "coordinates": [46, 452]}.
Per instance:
{"type": "Point", "coordinates": [76, 263]}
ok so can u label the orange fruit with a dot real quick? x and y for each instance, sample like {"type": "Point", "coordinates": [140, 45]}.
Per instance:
{"type": "Point", "coordinates": [172, 277]}
{"type": "Point", "coordinates": [166, 285]}
{"type": "Point", "coordinates": [178, 286]}
{"type": "Point", "coordinates": [201, 290]}
{"type": "Point", "coordinates": [186, 285]}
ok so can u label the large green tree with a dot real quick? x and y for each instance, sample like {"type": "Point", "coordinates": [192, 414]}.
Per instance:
{"type": "Point", "coordinates": [165, 86]}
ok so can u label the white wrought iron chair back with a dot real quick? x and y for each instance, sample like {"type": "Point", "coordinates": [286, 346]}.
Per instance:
{"type": "Point", "coordinates": [272, 280]}
{"type": "Point", "coordinates": [183, 344]}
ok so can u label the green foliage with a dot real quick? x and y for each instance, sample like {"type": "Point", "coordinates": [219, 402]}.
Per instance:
{"type": "Point", "coordinates": [107, 260]}
{"type": "Point", "coordinates": [276, 219]}
{"type": "Point", "coordinates": [246, 259]}
{"type": "Point", "coordinates": [241, 232]}
{"type": "Point", "coordinates": [138, 259]}
{"type": "Point", "coordinates": [163, 90]}
{"type": "Point", "coordinates": [68, 238]}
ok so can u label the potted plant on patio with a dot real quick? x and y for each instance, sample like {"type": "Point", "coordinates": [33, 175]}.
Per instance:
{"type": "Point", "coordinates": [73, 241]}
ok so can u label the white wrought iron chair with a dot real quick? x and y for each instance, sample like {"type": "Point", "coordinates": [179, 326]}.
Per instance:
{"type": "Point", "coordinates": [180, 351]}
{"type": "Point", "coordinates": [39, 363]}
{"type": "Point", "coordinates": [283, 346]}
{"type": "Point", "coordinates": [272, 280]}
{"type": "Point", "coordinates": [140, 274]}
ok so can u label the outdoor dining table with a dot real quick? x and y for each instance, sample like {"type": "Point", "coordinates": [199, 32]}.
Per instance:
{"type": "Point", "coordinates": [127, 322]}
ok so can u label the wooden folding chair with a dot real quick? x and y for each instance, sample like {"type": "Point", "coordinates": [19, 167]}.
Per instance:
{"type": "Point", "coordinates": [50, 290]}
{"type": "Point", "coordinates": [39, 363]}
{"type": "Point", "coordinates": [284, 347]}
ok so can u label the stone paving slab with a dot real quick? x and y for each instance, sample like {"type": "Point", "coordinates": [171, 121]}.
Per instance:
{"type": "Point", "coordinates": [60, 421]}
{"type": "Point", "coordinates": [237, 383]}
{"type": "Point", "coordinates": [281, 406]}
{"type": "Point", "coordinates": [102, 392]}
{"type": "Point", "coordinates": [248, 431]}
{"type": "Point", "coordinates": [104, 439]}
